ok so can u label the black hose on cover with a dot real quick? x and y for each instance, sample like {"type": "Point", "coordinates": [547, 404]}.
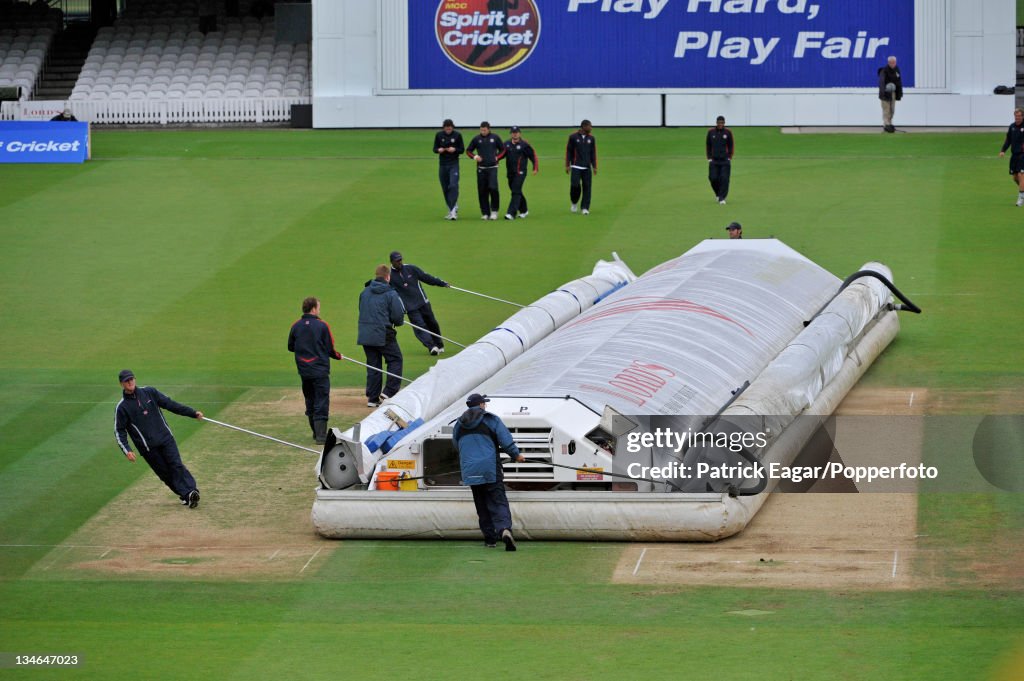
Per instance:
{"type": "Point", "coordinates": [907, 304]}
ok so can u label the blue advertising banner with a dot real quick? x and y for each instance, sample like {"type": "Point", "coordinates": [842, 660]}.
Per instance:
{"type": "Point", "coordinates": [43, 142]}
{"type": "Point", "coordinates": [721, 44]}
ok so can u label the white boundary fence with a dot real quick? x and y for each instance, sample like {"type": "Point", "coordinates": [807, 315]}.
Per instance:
{"type": "Point", "coordinates": [164, 111]}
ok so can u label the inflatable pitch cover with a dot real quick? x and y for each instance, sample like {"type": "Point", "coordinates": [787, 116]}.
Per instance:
{"type": "Point", "coordinates": [734, 338]}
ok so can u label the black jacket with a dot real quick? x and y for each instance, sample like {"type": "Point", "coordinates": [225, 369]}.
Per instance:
{"type": "Point", "coordinates": [488, 148]}
{"type": "Point", "coordinates": [719, 145]}
{"type": "Point", "coordinates": [139, 416]}
{"type": "Point", "coordinates": [581, 151]}
{"type": "Point", "coordinates": [444, 140]}
{"type": "Point", "coordinates": [407, 282]}
{"type": "Point", "coordinates": [312, 342]}
{"type": "Point", "coordinates": [517, 155]}
{"type": "Point", "coordinates": [889, 75]}
{"type": "Point", "coordinates": [1014, 139]}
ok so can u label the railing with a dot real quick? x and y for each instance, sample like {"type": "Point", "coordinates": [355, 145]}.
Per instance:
{"type": "Point", "coordinates": [175, 111]}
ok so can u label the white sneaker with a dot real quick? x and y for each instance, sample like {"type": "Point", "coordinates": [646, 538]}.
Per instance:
{"type": "Point", "coordinates": [435, 350]}
{"type": "Point", "coordinates": [440, 351]}
{"type": "Point", "coordinates": [586, 211]}
{"type": "Point", "coordinates": [508, 216]}
{"type": "Point", "coordinates": [572, 208]}
{"type": "Point", "coordinates": [494, 215]}
{"type": "Point", "coordinates": [1020, 200]}
{"type": "Point", "coordinates": [449, 216]}
{"type": "Point", "coordinates": [721, 202]}
{"type": "Point", "coordinates": [524, 214]}
{"type": "Point", "coordinates": [485, 217]}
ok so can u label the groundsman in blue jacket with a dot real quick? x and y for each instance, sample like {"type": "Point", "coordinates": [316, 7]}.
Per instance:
{"type": "Point", "coordinates": [380, 311]}
{"type": "Point", "coordinates": [138, 416]}
{"type": "Point", "coordinates": [479, 437]}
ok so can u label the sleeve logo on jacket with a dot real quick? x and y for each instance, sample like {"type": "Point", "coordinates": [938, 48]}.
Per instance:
{"type": "Point", "coordinates": [487, 37]}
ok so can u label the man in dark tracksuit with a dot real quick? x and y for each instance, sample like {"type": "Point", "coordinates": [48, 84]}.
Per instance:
{"type": "Point", "coordinates": [719, 147]}
{"type": "Point", "coordinates": [380, 311]}
{"type": "Point", "coordinates": [449, 148]}
{"type": "Point", "coordinates": [138, 415]}
{"type": "Point", "coordinates": [406, 279]}
{"type": "Point", "coordinates": [312, 342]}
{"type": "Point", "coordinates": [1014, 142]}
{"type": "Point", "coordinates": [580, 159]}
{"type": "Point", "coordinates": [486, 149]}
{"type": "Point", "coordinates": [479, 438]}
{"type": "Point", "coordinates": [517, 153]}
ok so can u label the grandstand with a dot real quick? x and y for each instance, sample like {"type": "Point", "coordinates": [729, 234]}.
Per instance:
{"type": "Point", "coordinates": [154, 65]}
{"type": "Point", "coordinates": [26, 32]}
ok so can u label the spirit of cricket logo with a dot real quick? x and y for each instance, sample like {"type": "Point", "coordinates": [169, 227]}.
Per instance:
{"type": "Point", "coordinates": [487, 36]}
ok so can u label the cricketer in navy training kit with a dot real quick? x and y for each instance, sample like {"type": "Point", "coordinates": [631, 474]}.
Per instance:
{"type": "Point", "coordinates": [479, 438]}
{"type": "Point", "coordinates": [487, 149]}
{"type": "Point", "coordinates": [581, 166]}
{"type": "Point", "coordinates": [449, 148]}
{"type": "Point", "coordinates": [719, 147]}
{"type": "Point", "coordinates": [407, 280]}
{"type": "Point", "coordinates": [518, 152]}
{"type": "Point", "coordinates": [311, 340]}
{"type": "Point", "coordinates": [1014, 142]}
{"type": "Point", "coordinates": [138, 415]}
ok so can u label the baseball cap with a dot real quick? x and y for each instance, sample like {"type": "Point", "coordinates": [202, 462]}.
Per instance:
{"type": "Point", "coordinates": [514, 128]}
{"type": "Point", "coordinates": [734, 225]}
{"type": "Point", "coordinates": [125, 375]}
{"type": "Point", "coordinates": [476, 399]}
{"type": "Point", "coordinates": [395, 255]}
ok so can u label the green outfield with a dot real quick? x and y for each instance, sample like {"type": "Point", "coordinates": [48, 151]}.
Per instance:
{"type": "Point", "coordinates": [184, 255]}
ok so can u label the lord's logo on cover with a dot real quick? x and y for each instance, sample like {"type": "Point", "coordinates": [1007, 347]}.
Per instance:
{"type": "Point", "coordinates": [487, 36]}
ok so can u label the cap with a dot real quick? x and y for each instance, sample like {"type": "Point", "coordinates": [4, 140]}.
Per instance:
{"type": "Point", "coordinates": [514, 128]}
{"type": "Point", "coordinates": [125, 375]}
{"type": "Point", "coordinates": [395, 255]}
{"type": "Point", "coordinates": [734, 225]}
{"type": "Point", "coordinates": [476, 399]}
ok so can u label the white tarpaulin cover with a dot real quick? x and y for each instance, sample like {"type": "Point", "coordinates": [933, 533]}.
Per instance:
{"type": "Point", "coordinates": [678, 341]}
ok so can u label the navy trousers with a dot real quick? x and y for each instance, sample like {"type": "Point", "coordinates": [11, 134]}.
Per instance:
{"type": "Point", "coordinates": [449, 178]}
{"type": "Point", "coordinates": [517, 204]}
{"type": "Point", "coordinates": [487, 190]}
{"type": "Point", "coordinates": [492, 510]}
{"type": "Point", "coordinates": [376, 355]}
{"type": "Point", "coordinates": [424, 317]}
{"type": "Point", "coordinates": [166, 463]}
{"type": "Point", "coordinates": [718, 176]}
{"type": "Point", "coordinates": [317, 392]}
{"type": "Point", "coordinates": [579, 184]}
